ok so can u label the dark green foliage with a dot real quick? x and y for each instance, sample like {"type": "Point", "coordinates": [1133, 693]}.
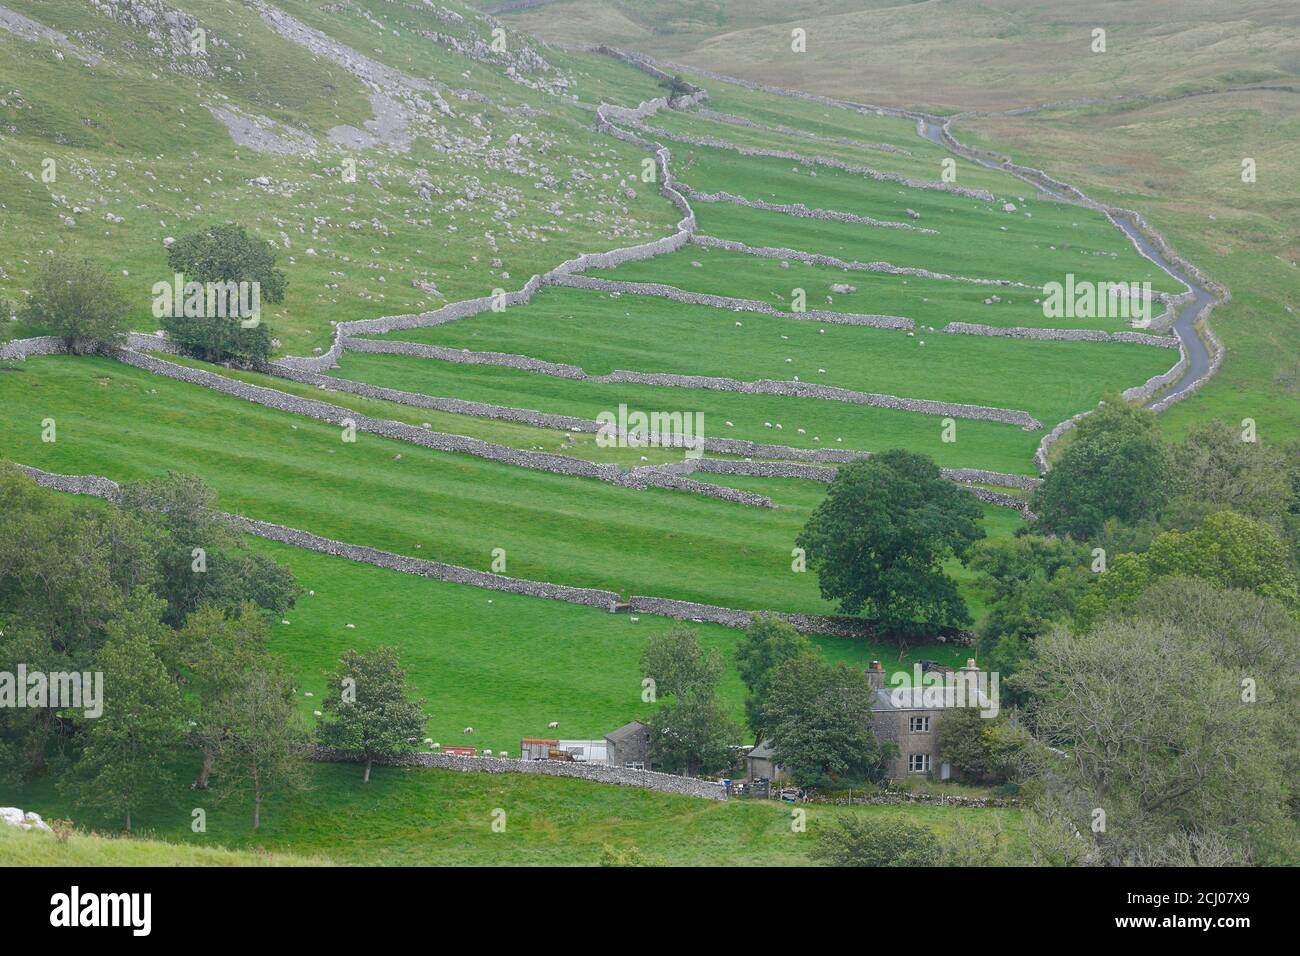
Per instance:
{"type": "Point", "coordinates": [224, 253]}
{"type": "Point", "coordinates": [78, 301]}
{"type": "Point", "coordinates": [767, 644]}
{"type": "Point", "coordinates": [1116, 465]}
{"type": "Point", "coordinates": [819, 718]}
{"type": "Point", "coordinates": [124, 761]}
{"type": "Point", "coordinates": [691, 732]}
{"type": "Point", "coordinates": [677, 663]}
{"type": "Point", "coordinates": [878, 540]}
{"type": "Point", "coordinates": [861, 840]}
{"type": "Point", "coordinates": [220, 339]}
{"type": "Point", "coordinates": [368, 712]}
{"type": "Point", "coordinates": [201, 560]}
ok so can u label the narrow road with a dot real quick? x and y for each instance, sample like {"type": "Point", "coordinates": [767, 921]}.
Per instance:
{"type": "Point", "coordinates": [1198, 355]}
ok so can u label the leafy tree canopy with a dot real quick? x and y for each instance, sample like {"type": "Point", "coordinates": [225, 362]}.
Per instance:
{"type": "Point", "coordinates": [878, 540]}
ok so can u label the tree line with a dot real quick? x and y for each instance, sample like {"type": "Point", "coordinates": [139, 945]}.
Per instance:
{"type": "Point", "coordinates": [161, 596]}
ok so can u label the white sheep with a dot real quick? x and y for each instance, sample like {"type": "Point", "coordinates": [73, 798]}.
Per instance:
{"type": "Point", "coordinates": [487, 753]}
{"type": "Point", "coordinates": [428, 741]}
{"type": "Point", "coordinates": [501, 753]}
{"type": "Point", "coordinates": [468, 730]}
{"type": "Point", "coordinates": [552, 725]}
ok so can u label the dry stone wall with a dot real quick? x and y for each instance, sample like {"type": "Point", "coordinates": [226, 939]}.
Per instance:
{"type": "Point", "coordinates": [816, 259]}
{"type": "Point", "coordinates": [726, 302]}
{"type": "Point", "coordinates": [1063, 335]}
{"type": "Point", "coordinates": [712, 383]}
{"type": "Point", "coordinates": [712, 142]}
{"type": "Point", "coordinates": [735, 120]}
{"type": "Point", "coordinates": [802, 211]}
{"type": "Point", "coordinates": [596, 773]}
{"type": "Point", "coordinates": [683, 610]}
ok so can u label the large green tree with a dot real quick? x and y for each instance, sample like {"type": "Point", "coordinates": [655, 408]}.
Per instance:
{"type": "Point", "coordinates": [259, 751]}
{"type": "Point", "coordinates": [1114, 465]}
{"type": "Point", "coordinates": [819, 718]}
{"type": "Point", "coordinates": [124, 764]}
{"type": "Point", "coordinates": [692, 733]}
{"type": "Point", "coordinates": [879, 539]}
{"type": "Point", "coordinates": [677, 662]}
{"type": "Point", "coordinates": [368, 710]}
{"type": "Point", "coordinates": [224, 254]}
{"type": "Point", "coordinates": [78, 301]}
{"type": "Point", "coordinates": [1163, 743]}
{"type": "Point", "coordinates": [767, 643]}
{"type": "Point", "coordinates": [227, 253]}
{"type": "Point", "coordinates": [215, 652]}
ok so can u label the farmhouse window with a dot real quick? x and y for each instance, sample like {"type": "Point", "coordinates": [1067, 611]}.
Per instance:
{"type": "Point", "coordinates": [918, 763]}
{"type": "Point", "coordinates": [634, 765]}
{"type": "Point", "coordinates": [919, 725]}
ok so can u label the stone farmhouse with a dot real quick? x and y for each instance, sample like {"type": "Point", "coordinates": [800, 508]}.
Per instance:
{"type": "Point", "coordinates": [907, 717]}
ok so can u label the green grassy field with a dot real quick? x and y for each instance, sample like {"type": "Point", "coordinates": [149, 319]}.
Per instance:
{"type": "Point", "coordinates": [982, 444]}
{"type": "Point", "coordinates": [431, 817]}
{"type": "Point", "coordinates": [976, 238]}
{"type": "Point", "coordinates": [601, 332]}
{"type": "Point", "coordinates": [930, 302]}
{"type": "Point", "coordinates": [33, 848]}
{"type": "Point", "coordinates": [126, 424]}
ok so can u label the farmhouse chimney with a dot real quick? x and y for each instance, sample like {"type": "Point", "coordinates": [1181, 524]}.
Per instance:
{"type": "Point", "coordinates": [876, 676]}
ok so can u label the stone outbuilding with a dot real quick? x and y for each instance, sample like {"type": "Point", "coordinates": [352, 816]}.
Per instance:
{"type": "Point", "coordinates": [629, 747]}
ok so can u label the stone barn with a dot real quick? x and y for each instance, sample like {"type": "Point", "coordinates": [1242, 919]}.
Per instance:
{"type": "Point", "coordinates": [629, 747]}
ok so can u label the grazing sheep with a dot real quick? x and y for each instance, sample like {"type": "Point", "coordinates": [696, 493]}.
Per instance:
{"type": "Point", "coordinates": [468, 730]}
{"type": "Point", "coordinates": [428, 741]}
{"type": "Point", "coordinates": [487, 753]}
{"type": "Point", "coordinates": [350, 626]}
{"type": "Point", "coordinates": [316, 713]}
{"type": "Point", "coordinates": [501, 753]}
{"type": "Point", "coordinates": [552, 725]}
